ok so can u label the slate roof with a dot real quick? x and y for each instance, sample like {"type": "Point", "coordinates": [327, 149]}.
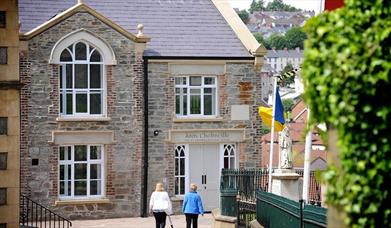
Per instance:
{"type": "Point", "coordinates": [285, 53]}
{"type": "Point", "coordinates": [177, 27]}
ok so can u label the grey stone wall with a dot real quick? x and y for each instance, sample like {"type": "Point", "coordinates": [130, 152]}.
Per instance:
{"type": "Point", "coordinates": [240, 85]}
{"type": "Point", "coordinates": [124, 82]}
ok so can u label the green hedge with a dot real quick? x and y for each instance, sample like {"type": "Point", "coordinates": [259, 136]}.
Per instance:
{"type": "Point", "coordinates": [347, 77]}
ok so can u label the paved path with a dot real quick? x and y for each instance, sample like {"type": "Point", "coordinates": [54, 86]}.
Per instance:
{"type": "Point", "coordinates": [177, 220]}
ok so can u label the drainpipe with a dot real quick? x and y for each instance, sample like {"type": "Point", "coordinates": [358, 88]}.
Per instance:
{"type": "Point", "coordinates": [145, 180]}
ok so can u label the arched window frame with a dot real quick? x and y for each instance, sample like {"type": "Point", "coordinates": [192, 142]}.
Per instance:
{"type": "Point", "coordinates": [79, 93]}
{"type": "Point", "coordinates": [229, 153]}
{"type": "Point", "coordinates": [107, 58]}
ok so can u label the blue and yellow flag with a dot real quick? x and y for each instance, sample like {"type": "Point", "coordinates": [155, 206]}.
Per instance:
{"type": "Point", "coordinates": [266, 114]}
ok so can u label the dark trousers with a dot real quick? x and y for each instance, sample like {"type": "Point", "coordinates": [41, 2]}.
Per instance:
{"type": "Point", "coordinates": [191, 218]}
{"type": "Point", "coordinates": [160, 218]}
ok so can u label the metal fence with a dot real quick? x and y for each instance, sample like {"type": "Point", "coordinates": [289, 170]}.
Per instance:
{"type": "Point", "coordinates": [247, 181]}
{"type": "Point", "coordinates": [276, 211]}
{"type": "Point", "coordinates": [246, 213]}
{"type": "Point", "coordinates": [238, 192]}
{"type": "Point", "coordinates": [34, 215]}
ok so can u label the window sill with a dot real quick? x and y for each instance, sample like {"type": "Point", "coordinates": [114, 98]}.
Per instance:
{"type": "Point", "coordinates": [192, 120]}
{"type": "Point", "coordinates": [83, 119]}
{"type": "Point", "coordinates": [85, 201]}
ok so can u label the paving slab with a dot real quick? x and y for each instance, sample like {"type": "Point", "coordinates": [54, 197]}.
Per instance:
{"type": "Point", "coordinates": [178, 221]}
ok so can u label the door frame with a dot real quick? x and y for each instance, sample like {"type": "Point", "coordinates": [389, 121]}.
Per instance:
{"type": "Point", "coordinates": [221, 161]}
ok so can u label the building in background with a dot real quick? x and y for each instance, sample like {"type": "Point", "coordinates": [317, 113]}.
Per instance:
{"type": "Point", "coordinates": [268, 22]}
{"type": "Point", "coordinates": [9, 114]}
{"type": "Point", "coordinates": [279, 59]}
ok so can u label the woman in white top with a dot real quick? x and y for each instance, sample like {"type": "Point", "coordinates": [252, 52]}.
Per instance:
{"type": "Point", "coordinates": [160, 205]}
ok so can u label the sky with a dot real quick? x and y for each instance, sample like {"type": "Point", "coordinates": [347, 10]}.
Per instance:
{"type": "Point", "coordinates": [302, 4]}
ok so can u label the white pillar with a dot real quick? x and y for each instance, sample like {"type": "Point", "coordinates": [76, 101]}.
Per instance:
{"type": "Point", "coordinates": [272, 134]}
{"type": "Point", "coordinates": [307, 160]}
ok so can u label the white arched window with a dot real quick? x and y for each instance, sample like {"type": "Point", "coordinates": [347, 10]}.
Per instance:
{"type": "Point", "coordinates": [82, 57]}
{"type": "Point", "coordinates": [81, 81]}
{"type": "Point", "coordinates": [229, 151]}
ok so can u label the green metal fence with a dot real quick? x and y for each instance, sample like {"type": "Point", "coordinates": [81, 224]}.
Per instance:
{"type": "Point", "coordinates": [276, 211]}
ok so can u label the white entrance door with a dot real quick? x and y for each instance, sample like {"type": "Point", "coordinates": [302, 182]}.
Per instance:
{"type": "Point", "coordinates": [204, 171]}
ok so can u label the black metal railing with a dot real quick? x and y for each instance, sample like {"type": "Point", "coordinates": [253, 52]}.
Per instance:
{"type": "Point", "coordinates": [238, 192]}
{"type": "Point", "coordinates": [34, 215]}
{"type": "Point", "coordinates": [247, 212]}
{"type": "Point", "coordinates": [247, 181]}
{"type": "Point", "coordinates": [314, 191]}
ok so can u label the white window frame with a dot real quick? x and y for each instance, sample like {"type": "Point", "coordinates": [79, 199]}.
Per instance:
{"type": "Point", "coordinates": [72, 163]}
{"type": "Point", "coordinates": [87, 91]}
{"type": "Point", "coordinates": [201, 87]}
{"type": "Point", "coordinates": [235, 156]}
{"type": "Point", "coordinates": [186, 168]}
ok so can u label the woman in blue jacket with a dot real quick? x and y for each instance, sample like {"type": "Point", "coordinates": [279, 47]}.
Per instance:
{"type": "Point", "coordinates": [192, 207]}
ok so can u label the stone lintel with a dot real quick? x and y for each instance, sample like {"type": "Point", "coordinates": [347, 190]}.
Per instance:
{"type": "Point", "coordinates": [82, 137]}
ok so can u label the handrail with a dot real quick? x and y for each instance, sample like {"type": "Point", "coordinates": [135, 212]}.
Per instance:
{"type": "Point", "coordinates": [33, 214]}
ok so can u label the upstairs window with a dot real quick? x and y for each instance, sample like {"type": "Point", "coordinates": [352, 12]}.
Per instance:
{"type": "Point", "coordinates": [196, 96]}
{"type": "Point", "coordinates": [81, 81]}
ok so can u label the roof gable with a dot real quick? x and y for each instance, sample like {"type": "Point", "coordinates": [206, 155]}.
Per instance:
{"type": "Point", "coordinates": [81, 7]}
{"type": "Point", "coordinates": [177, 28]}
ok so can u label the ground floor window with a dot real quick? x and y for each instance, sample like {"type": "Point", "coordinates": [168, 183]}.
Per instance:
{"type": "Point", "coordinates": [180, 169]}
{"type": "Point", "coordinates": [81, 171]}
{"type": "Point", "coordinates": [229, 156]}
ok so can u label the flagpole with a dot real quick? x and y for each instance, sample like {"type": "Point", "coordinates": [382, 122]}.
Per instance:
{"type": "Point", "coordinates": [307, 160]}
{"type": "Point", "coordinates": [272, 134]}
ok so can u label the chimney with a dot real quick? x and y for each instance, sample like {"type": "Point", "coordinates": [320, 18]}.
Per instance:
{"type": "Point", "coordinates": [285, 49]}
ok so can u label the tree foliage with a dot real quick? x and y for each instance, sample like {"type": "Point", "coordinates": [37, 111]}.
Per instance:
{"type": "Point", "coordinates": [262, 40]}
{"type": "Point", "coordinates": [288, 105]}
{"type": "Point", "coordinates": [347, 76]}
{"type": "Point", "coordinates": [244, 15]}
{"type": "Point", "coordinates": [287, 79]}
{"type": "Point", "coordinates": [277, 41]}
{"type": "Point", "coordinates": [257, 5]}
{"type": "Point", "coordinates": [295, 38]}
{"type": "Point", "coordinates": [292, 39]}
{"type": "Point", "coordinates": [279, 5]}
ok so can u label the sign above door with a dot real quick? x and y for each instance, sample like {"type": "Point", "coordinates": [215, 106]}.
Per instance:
{"type": "Point", "coordinates": [206, 135]}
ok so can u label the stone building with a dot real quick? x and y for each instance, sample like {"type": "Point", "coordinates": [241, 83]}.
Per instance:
{"type": "Point", "coordinates": [9, 114]}
{"type": "Point", "coordinates": [110, 108]}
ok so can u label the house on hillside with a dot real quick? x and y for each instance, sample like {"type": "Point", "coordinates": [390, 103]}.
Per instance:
{"type": "Point", "coordinates": [269, 22]}
{"type": "Point", "coordinates": [297, 131]}
{"type": "Point", "coordinates": [120, 95]}
{"type": "Point", "coordinates": [279, 59]}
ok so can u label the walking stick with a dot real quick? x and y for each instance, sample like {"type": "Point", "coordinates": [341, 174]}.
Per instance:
{"type": "Point", "coordinates": [170, 221]}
